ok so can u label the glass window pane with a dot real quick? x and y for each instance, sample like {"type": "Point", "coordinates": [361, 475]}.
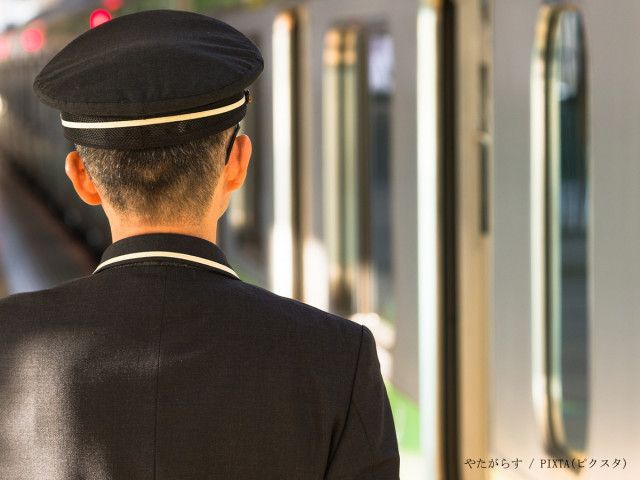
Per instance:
{"type": "Point", "coordinates": [358, 85]}
{"type": "Point", "coordinates": [567, 226]}
{"type": "Point", "coordinates": [378, 199]}
{"type": "Point", "coordinates": [341, 105]}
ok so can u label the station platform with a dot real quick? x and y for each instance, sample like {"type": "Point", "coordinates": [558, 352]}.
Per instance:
{"type": "Point", "coordinates": [36, 251]}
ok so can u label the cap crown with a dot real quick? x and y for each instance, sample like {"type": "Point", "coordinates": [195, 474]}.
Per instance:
{"type": "Point", "coordinates": [149, 63]}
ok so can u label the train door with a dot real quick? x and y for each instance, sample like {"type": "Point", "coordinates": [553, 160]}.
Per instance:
{"type": "Point", "coordinates": [565, 199]}
{"type": "Point", "coordinates": [370, 245]}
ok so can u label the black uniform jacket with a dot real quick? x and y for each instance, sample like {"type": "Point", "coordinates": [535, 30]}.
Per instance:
{"type": "Point", "coordinates": [164, 365]}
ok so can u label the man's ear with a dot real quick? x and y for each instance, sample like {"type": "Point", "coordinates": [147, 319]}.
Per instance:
{"type": "Point", "coordinates": [82, 182]}
{"type": "Point", "coordinates": [236, 167]}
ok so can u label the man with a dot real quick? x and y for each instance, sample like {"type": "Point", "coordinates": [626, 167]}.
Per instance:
{"type": "Point", "coordinates": [162, 364]}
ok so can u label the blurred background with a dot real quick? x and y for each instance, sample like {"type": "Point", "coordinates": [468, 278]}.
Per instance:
{"type": "Point", "coordinates": [459, 175]}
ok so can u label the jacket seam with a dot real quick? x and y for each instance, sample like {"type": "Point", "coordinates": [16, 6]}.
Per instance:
{"type": "Point", "coordinates": [364, 429]}
{"type": "Point", "coordinates": [346, 418]}
{"type": "Point", "coordinates": [155, 421]}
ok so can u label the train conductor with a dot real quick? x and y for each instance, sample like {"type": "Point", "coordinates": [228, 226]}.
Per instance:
{"type": "Point", "coordinates": [163, 364]}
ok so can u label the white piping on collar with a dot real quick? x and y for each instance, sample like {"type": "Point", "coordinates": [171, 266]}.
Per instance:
{"type": "Point", "coordinates": [163, 254]}
{"type": "Point", "coordinates": [156, 120]}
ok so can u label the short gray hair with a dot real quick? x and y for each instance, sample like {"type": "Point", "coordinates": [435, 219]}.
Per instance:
{"type": "Point", "coordinates": [159, 185]}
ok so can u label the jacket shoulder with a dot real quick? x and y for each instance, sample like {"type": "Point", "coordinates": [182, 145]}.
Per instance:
{"type": "Point", "coordinates": [296, 311]}
{"type": "Point", "coordinates": [38, 300]}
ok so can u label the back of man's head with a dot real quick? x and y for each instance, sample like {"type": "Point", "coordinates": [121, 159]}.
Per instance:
{"type": "Point", "coordinates": [161, 185]}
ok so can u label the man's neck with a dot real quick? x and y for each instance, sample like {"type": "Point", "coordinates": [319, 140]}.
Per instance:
{"type": "Point", "coordinates": [206, 232]}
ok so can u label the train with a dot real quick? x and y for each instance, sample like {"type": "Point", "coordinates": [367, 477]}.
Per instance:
{"type": "Point", "coordinates": [459, 176]}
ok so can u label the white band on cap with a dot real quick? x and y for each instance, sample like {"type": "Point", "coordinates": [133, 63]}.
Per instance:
{"type": "Point", "coordinates": [156, 120]}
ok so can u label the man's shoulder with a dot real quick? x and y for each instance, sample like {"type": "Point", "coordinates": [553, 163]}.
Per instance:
{"type": "Point", "coordinates": [308, 334]}
{"type": "Point", "coordinates": [38, 299]}
{"type": "Point", "coordinates": [292, 310]}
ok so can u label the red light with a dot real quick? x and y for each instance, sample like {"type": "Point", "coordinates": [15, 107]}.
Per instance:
{"type": "Point", "coordinates": [98, 17]}
{"type": "Point", "coordinates": [32, 39]}
{"type": "Point", "coordinates": [112, 5]}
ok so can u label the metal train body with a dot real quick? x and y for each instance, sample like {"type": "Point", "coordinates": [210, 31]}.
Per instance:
{"type": "Point", "coordinates": [419, 166]}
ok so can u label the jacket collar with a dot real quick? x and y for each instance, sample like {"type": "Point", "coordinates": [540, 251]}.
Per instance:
{"type": "Point", "coordinates": [171, 247]}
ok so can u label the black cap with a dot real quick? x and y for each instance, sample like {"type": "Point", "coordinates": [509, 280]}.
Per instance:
{"type": "Point", "coordinates": [151, 79]}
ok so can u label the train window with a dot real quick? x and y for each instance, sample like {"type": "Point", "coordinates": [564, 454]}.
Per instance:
{"type": "Point", "coordinates": [566, 231]}
{"type": "Point", "coordinates": [378, 178]}
{"type": "Point", "coordinates": [243, 228]}
{"type": "Point", "coordinates": [358, 88]}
